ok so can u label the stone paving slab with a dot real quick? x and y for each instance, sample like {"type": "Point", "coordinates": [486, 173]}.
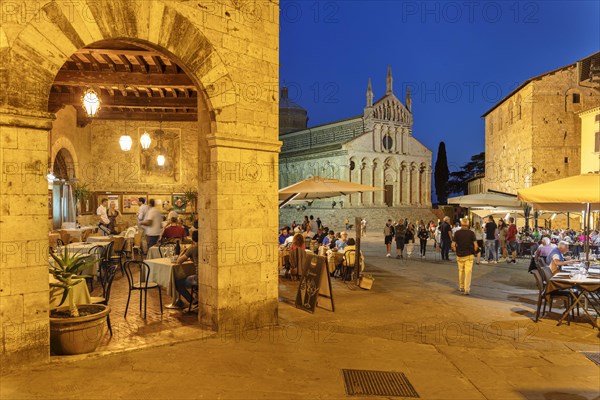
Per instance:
{"type": "Point", "coordinates": [450, 346]}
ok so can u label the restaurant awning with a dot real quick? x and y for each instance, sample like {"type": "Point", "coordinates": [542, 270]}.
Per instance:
{"type": "Point", "coordinates": [489, 199]}
{"type": "Point", "coordinates": [568, 194]}
{"type": "Point", "coordinates": [321, 188]}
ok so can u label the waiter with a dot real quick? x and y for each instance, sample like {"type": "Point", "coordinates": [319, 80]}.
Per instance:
{"type": "Point", "coordinates": [103, 220]}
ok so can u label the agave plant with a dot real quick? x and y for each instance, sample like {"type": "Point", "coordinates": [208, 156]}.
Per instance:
{"type": "Point", "coordinates": [65, 270]}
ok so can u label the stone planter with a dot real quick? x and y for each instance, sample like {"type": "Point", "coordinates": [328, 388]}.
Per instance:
{"type": "Point", "coordinates": [78, 335]}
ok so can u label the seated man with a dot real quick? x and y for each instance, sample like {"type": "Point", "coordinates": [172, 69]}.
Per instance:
{"type": "Point", "coordinates": [184, 284]}
{"type": "Point", "coordinates": [323, 235]}
{"type": "Point", "coordinates": [285, 233]}
{"type": "Point", "coordinates": [556, 258]}
{"type": "Point", "coordinates": [173, 230]}
{"type": "Point", "coordinates": [327, 240]}
{"type": "Point", "coordinates": [341, 243]}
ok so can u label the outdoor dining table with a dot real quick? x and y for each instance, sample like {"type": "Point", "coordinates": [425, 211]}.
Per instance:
{"type": "Point", "coordinates": [585, 289]}
{"type": "Point", "coordinates": [165, 272]}
{"type": "Point", "coordinates": [81, 294]}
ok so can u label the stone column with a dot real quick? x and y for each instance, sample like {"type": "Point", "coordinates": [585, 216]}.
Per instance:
{"type": "Point", "coordinates": [238, 271]}
{"type": "Point", "coordinates": [378, 181]}
{"type": "Point", "coordinates": [24, 305]}
{"type": "Point", "coordinates": [367, 177]}
{"type": "Point", "coordinates": [408, 183]}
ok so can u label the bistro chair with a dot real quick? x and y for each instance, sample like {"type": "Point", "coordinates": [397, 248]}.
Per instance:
{"type": "Point", "coordinates": [109, 276]}
{"type": "Point", "coordinates": [138, 247]}
{"type": "Point", "coordinates": [141, 285]}
{"type": "Point", "coordinates": [297, 258]}
{"type": "Point", "coordinates": [119, 251]}
{"type": "Point", "coordinates": [544, 297]}
{"type": "Point", "coordinates": [194, 294]}
{"type": "Point", "coordinates": [348, 265]}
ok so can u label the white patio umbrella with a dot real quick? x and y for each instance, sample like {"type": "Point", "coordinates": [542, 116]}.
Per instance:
{"type": "Point", "coordinates": [321, 188]}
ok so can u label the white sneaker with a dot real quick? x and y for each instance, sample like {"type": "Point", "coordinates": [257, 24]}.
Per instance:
{"type": "Point", "coordinates": [494, 262]}
{"type": "Point", "coordinates": [483, 262]}
{"type": "Point", "coordinates": [388, 255]}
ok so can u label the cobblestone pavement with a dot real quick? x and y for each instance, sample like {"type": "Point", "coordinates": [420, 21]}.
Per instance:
{"type": "Point", "coordinates": [450, 346]}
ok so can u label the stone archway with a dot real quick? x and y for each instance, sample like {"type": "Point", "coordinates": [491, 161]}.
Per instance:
{"type": "Point", "coordinates": [34, 51]}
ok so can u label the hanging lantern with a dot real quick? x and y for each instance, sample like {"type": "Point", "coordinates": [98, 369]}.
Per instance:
{"type": "Point", "coordinates": [125, 142]}
{"type": "Point", "coordinates": [91, 102]}
{"type": "Point", "coordinates": [160, 160]}
{"type": "Point", "coordinates": [145, 141]}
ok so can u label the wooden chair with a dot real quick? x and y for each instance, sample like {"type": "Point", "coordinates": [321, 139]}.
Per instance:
{"type": "Point", "coordinates": [138, 247]}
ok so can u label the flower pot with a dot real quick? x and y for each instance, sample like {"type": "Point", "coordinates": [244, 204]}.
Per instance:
{"type": "Point", "coordinates": [77, 335]}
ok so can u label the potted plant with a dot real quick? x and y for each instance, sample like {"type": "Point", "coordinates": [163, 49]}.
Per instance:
{"type": "Point", "coordinates": [80, 193]}
{"type": "Point", "coordinates": [191, 197]}
{"type": "Point", "coordinates": [74, 329]}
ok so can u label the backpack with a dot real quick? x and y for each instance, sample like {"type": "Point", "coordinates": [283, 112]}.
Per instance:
{"type": "Point", "coordinates": [387, 231]}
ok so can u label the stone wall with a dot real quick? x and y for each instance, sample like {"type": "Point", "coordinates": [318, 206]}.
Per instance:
{"type": "Point", "coordinates": [376, 217]}
{"type": "Point", "coordinates": [534, 136]}
{"type": "Point", "coordinates": [232, 53]}
{"type": "Point", "coordinates": [590, 126]}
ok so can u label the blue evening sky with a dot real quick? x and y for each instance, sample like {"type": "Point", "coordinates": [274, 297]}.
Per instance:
{"type": "Point", "coordinates": [459, 57]}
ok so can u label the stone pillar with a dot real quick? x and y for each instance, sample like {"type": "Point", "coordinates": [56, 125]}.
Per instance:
{"type": "Point", "coordinates": [378, 180]}
{"type": "Point", "coordinates": [366, 178]}
{"type": "Point", "coordinates": [408, 183]}
{"type": "Point", "coordinates": [238, 264]}
{"type": "Point", "coordinates": [24, 297]}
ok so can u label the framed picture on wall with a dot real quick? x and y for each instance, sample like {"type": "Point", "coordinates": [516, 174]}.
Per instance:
{"type": "Point", "coordinates": [88, 205]}
{"type": "Point", "coordinates": [131, 202]}
{"type": "Point", "coordinates": [114, 199]}
{"type": "Point", "coordinates": [179, 203]}
{"type": "Point", "coordinates": [162, 201]}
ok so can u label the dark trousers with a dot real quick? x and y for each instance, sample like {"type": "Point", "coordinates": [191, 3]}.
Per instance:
{"type": "Point", "coordinates": [446, 249]}
{"type": "Point", "coordinates": [151, 240]}
{"type": "Point", "coordinates": [423, 243]}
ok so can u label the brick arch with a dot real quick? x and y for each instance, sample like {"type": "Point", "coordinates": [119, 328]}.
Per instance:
{"type": "Point", "coordinates": [35, 60]}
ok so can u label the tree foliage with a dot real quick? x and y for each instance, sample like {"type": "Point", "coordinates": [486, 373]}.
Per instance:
{"type": "Point", "coordinates": [441, 173]}
{"type": "Point", "coordinates": [457, 182]}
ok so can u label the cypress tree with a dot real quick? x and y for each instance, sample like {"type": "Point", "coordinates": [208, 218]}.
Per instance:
{"type": "Point", "coordinates": [441, 174]}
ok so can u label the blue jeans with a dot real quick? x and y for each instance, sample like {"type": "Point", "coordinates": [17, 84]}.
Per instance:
{"type": "Point", "coordinates": [490, 250]}
{"type": "Point", "coordinates": [182, 286]}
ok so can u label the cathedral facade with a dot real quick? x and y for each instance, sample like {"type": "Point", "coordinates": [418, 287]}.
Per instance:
{"type": "Point", "coordinates": [375, 148]}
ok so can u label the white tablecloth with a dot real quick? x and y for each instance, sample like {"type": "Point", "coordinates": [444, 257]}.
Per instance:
{"type": "Point", "coordinates": [78, 232]}
{"type": "Point", "coordinates": [98, 239]}
{"type": "Point", "coordinates": [161, 272]}
{"type": "Point", "coordinates": [81, 294]}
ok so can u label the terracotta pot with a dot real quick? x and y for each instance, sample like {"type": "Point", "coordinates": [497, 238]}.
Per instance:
{"type": "Point", "coordinates": [78, 335]}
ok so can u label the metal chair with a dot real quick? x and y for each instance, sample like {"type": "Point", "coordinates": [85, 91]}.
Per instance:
{"type": "Point", "coordinates": [544, 297]}
{"type": "Point", "coordinates": [348, 264]}
{"type": "Point", "coordinates": [109, 276]}
{"type": "Point", "coordinates": [142, 285]}
{"type": "Point", "coordinates": [296, 259]}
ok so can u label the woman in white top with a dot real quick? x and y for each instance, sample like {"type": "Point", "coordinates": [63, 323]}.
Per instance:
{"type": "Point", "coordinates": [479, 237]}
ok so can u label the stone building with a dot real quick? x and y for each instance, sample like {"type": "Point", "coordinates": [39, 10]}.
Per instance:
{"type": "Point", "coordinates": [533, 135]}
{"type": "Point", "coordinates": [207, 72]}
{"type": "Point", "coordinates": [375, 148]}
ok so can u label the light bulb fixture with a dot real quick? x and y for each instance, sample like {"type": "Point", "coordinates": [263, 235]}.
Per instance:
{"type": "Point", "coordinates": [160, 160]}
{"type": "Point", "coordinates": [125, 142]}
{"type": "Point", "coordinates": [145, 140]}
{"type": "Point", "coordinates": [91, 102]}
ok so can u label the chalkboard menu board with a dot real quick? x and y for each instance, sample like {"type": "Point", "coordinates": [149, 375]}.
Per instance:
{"type": "Point", "coordinates": [308, 290]}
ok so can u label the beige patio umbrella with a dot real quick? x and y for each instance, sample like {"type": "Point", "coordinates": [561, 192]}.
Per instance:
{"type": "Point", "coordinates": [575, 193]}
{"type": "Point", "coordinates": [321, 188]}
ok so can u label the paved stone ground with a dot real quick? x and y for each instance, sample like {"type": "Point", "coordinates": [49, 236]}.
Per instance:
{"type": "Point", "coordinates": [450, 346]}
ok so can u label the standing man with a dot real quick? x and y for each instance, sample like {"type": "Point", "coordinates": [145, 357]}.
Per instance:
{"type": "Point", "coordinates": [153, 224]}
{"type": "Point", "coordinates": [103, 221]}
{"type": "Point", "coordinates": [465, 246]}
{"type": "Point", "coordinates": [446, 238]}
{"type": "Point", "coordinates": [511, 240]}
{"type": "Point", "coordinates": [490, 242]}
{"type": "Point", "coordinates": [346, 222]}
{"type": "Point", "coordinates": [388, 233]}
{"type": "Point", "coordinates": [363, 227]}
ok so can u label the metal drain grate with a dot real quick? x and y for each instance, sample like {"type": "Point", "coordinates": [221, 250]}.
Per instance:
{"type": "Point", "coordinates": [593, 356]}
{"type": "Point", "coordinates": [360, 382]}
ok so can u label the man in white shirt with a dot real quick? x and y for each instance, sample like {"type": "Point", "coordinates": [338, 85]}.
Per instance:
{"type": "Point", "coordinates": [152, 224]}
{"type": "Point", "coordinates": [103, 220]}
{"type": "Point", "coordinates": [141, 215]}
